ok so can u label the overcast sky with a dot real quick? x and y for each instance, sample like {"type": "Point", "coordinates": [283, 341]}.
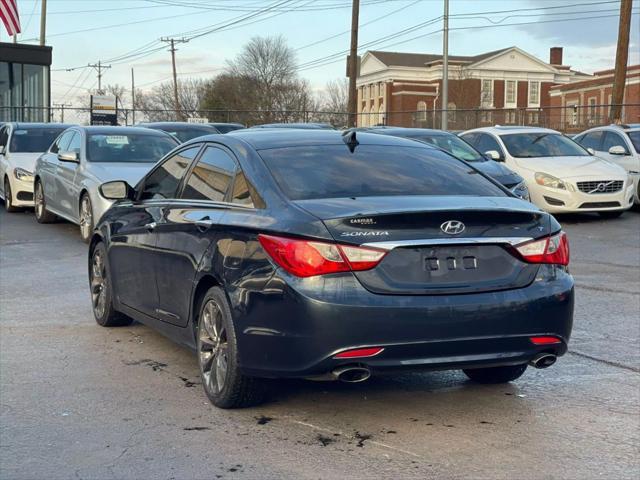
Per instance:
{"type": "Point", "coordinates": [85, 31]}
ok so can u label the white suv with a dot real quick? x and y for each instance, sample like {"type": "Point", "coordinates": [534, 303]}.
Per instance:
{"type": "Point", "coordinates": [561, 175]}
{"type": "Point", "coordinates": [619, 144]}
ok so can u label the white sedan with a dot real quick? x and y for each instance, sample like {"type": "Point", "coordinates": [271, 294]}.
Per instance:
{"type": "Point", "coordinates": [561, 175]}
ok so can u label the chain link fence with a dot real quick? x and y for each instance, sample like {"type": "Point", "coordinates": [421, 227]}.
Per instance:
{"type": "Point", "coordinates": [571, 119]}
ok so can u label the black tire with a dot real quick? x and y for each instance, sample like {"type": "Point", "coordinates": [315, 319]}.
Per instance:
{"type": "Point", "coordinates": [217, 350]}
{"type": "Point", "coordinates": [611, 214]}
{"type": "Point", "coordinates": [85, 216]}
{"type": "Point", "coordinates": [101, 291]}
{"type": "Point", "coordinates": [496, 374]}
{"type": "Point", "coordinates": [8, 198]}
{"type": "Point", "coordinates": [40, 206]}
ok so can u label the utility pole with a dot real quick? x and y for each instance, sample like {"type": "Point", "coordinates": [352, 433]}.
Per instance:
{"type": "Point", "coordinates": [61, 106]}
{"type": "Point", "coordinates": [353, 65]}
{"type": "Point", "coordinates": [172, 49]}
{"type": "Point", "coordinates": [133, 99]}
{"type": "Point", "coordinates": [622, 55]}
{"type": "Point", "coordinates": [99, 67]}
{"type": "Point", "coordinates": [445, 66]}
{"type": "Point", "coordinates": [43, 21]}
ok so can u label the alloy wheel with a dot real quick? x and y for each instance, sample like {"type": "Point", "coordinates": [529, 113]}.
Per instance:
{"type": "Point", "coordinates": [39, 200]}
{"type": "Point", "coordinates": [213, 348]}
{"type": "Point", "coordinates": [99, 284]}
{"type": "Point", "coordinates": [86, 217]}
{"type": "Point", "coordinates": [7, 195]}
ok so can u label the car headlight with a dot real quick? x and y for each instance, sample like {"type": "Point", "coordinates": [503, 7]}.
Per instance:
{"type": "Point", "coordinates": [22, 174]}
{"type": "Point", "coordinates": [547, 180]}
{"type": "Point", "coordinates": [521, 191]}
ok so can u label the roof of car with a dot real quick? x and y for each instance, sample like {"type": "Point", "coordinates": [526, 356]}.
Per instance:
{"type": "Point", "coordinates": [407, 132]}
{"type": "Point", "coordinates": [114, 130]}
{"type": "Point", "coordinates": [176, 125]}
{"type": "Point", "coordinates": [223, 124]}
{"type": "Point", "coordinates": [299, 125]}
{"type": "Point", "coordinates": [38, 124]}
{"type": "Point", "coordinates": [261, 139]}
{"type": "Point", "coordinates": [499, 130]}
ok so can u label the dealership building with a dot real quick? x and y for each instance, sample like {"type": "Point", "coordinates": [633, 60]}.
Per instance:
{"type": "Point", "coordinates": [25, 82]}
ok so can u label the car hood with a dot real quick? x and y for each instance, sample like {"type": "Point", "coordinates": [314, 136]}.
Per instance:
{"type": "Point", "coordinates": [498, 172]}
{"type": "Point", "coordinates": [571, 167]}
{"type": "Point", "coordinates": [24, 160]}
{"type": "Point", "coordinates": [129, 172]}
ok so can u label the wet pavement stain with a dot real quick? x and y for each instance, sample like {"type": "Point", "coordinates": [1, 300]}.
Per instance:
{"type": "Point", "coordinates": [262, 420]}
{"type": "Point", "coordinates": [196, 429]}
{"type": "Point", "coordinates": [362, 437]}
{"type": "Point", "coordinates": [324, 440]}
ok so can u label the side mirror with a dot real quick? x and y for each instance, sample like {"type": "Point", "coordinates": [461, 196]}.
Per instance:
{"type": "Point", "coordinates": [116, 190]}
{"type": "Point", "coordinates": [618, 150]}
{"type": "Point", "coordinates": [591, 151]}
{"type": "Point", "coordinates": [69, 157]}
{"type": "Point", "coordinates": [494, 155]}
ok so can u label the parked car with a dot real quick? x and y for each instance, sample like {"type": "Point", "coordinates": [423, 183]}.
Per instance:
{"type": "Point", "coordinates": [561, 175]}
{"type": "Point", "coordinates": [67, 176]}
{"type": "Point", "coordinates": [298, 126]}
{"type": "Point", "coordinates": [328, 256]}
{"type": "Point", "coordinates": [227, 127]}
{"type": "Point", "coordinates": [462, 150]}
{"type": "Point", "coordinates": [20, 145]}
{"type": "Point", "coordinates": [182, 131]}
{"type": "Point", "coordinates": [619, 144]}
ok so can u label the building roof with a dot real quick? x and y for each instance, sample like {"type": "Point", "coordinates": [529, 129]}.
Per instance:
{"type": "Point", "coordinates": [401, 59]}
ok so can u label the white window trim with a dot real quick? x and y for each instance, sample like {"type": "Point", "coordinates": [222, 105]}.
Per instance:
{"type": "Point", "coordinates": [515, 94]}
{"type": "Point", "coordinates": [530, 103]}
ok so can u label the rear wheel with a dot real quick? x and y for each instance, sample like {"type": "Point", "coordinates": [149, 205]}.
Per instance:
{"type": "Point", "coordinates": [101, 291]}
{"type": "Point", "coordinates": [496, 374]}
{"type": "Point", "coordinates": [610, 214]}
{"type": "Point", "coordinates": [8, 197]}
{"type": "Point", "coordinates": [222, 380]}
{"type": "Point", "coordinates": [42, 214]}
{"type": "Point", "coordinates": [86, 218]}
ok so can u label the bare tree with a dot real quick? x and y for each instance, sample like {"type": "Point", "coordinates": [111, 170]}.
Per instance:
{"type": "Point", "coordinates": [334, 101]}
{"type": "Point", "coordinates": [157, 104]}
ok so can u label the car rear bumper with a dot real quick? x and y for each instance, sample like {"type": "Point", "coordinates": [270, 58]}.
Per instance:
{"type": "Point", "coordinates": [294, 327]}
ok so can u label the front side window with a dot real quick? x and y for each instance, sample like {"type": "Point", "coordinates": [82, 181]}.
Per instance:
{"type": "Point", "coordinates": [635, 139]}
{"type": "Point", "coordinates": [612, 139]}
{"type": "Point", "coordinates": [62, 143]}
{"type": "Point", "coordinates": [486, 143]}
{"type": "Point", "coordinates": [75, 143]}
{"type": "Point", "coordinates": [33, 139]}
{"type": "Point", "coordinates": [128, 147]}
{"type": "Point", "coordinates": [332, 171]}
{"type": "Point", "coordinates": [534, 93]}
{"type": "Point", "coordinates": [541, 144]}
{"type": "Point", "coordinates": [590, 140]}
{"type": "Point", "coordinates": [454, 145]}
{"type": "Point", "coordinates": [211, 177]}
{"type": "Point", "coordinates": [163, 182]}
{"type": "Point", "coordinates": [510, 92]}
{"type": "Point", "coordinates": [4, 136]}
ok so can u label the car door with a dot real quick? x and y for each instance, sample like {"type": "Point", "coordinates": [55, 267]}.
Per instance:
{"type": "Point", "coordinates": [4, 143]}
{"type": "Point", "coordinates": [66, 179]}
{"type": "Point", "coordinates": [48, 170]}
{"type": "Point", "coordinates": [133, 253]}
{"type": "Point", "coordinates": [189, 226]}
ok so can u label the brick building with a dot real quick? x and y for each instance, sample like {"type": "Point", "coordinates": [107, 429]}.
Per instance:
{"type": "Point", "coordinates": [404, 88]}
{"type": "Point", "coordinates": [591, 98]}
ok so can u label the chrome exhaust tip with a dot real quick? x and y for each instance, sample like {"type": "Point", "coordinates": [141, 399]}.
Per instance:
{"type": "Point", "coordinates": [543, 360]}
{"type": "Point", "coordinates": [351, 374]}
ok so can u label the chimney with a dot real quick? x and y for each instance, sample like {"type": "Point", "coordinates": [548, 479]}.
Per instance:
{"type": "Point", "coordinates": [555, 56]}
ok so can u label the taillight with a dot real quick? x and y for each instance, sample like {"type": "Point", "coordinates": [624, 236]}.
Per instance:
{"type": "Point", "coordinates": [306, 258]}
{"type": "Point", "coordinates": [553, 249]}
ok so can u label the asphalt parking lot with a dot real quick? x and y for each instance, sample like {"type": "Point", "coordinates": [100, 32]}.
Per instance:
{"type": "Point", "coordinates": [80, 401]}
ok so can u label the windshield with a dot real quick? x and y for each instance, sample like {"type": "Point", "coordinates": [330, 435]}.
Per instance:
{"type": "Point", "coordinates": [128, 147]}
{"type": "Point", "coordinates": [454, 145]}
{"type": "Point", "coordinates": [542, 144]}
{"type": "Point", "coordinates": [332, 171]}
{"type": "Point", "coordinates": [635, 139]}
{"type": "Point", "coordinates": [34, 140]}
{"type": "Point", "coordinates": [186, 134]}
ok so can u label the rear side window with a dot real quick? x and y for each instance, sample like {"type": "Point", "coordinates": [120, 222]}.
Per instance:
{"type": "Point", "coordinates": [163, 181]}
{"type": "Point", "coordinates": [211, 177]}
{"type": "Point", "coordinates": [372, 170]}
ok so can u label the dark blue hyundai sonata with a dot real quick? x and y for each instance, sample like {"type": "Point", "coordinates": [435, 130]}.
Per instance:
{"type": "Point", "coordinates": [316, 254]}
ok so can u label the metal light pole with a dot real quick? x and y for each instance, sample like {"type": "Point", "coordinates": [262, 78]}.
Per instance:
{"type": "Point", "coordinates": [445, 66]}
{"type": "Point", "coordinates": [43, 22]}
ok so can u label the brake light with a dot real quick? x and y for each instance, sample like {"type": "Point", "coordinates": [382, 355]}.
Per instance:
{"type": "Point", "coordinates": [305, 258]}
{"type": "Point", "coordinates": [553, 250]}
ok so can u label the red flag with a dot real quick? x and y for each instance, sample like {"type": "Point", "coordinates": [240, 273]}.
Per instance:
{"type": "Point", "coordinates": [9, 16]}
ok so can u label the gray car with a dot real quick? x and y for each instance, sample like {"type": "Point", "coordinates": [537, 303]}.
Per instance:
{"type": "Point", "coordinates": [67, 176]}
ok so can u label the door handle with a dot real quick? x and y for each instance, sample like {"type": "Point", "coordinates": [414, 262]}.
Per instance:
{"type": "Point", "coordinates": [151, 226]}
{"type": "Point", "coordinates": [204, 224]}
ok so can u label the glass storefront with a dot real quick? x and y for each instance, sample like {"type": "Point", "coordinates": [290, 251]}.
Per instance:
{"type": "Point", "coordinates": [24, 86]}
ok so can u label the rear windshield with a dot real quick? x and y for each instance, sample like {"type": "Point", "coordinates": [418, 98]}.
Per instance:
{"type": "Point", "coordinates": [454, 145]}
{"type": "Point", "coordinates": [128, 147]}
{"type": "Point", "coordinates": [541, 144]}
{"type": "Point", "coordinates": [33, 140]}
{"type": "Point", "coordinates": [372, 170]}
{"type": "Point", "coordinates": [635, 139]}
